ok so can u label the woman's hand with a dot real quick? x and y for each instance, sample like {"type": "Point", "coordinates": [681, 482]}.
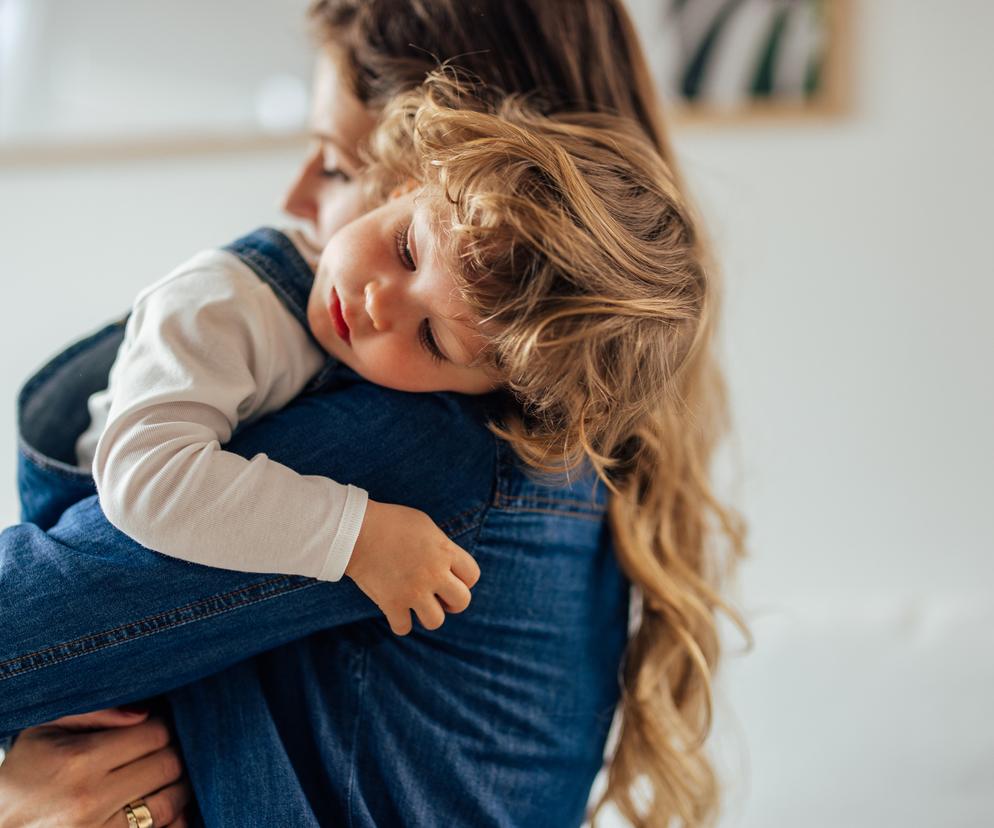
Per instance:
{"type": "Point", "coordinates": [80, 772]}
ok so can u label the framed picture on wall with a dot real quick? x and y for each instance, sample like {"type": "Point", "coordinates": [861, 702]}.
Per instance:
{"type": "Point", "coordinates": [742, 59]}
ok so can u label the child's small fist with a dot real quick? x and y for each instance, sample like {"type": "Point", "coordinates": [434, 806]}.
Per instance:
{"type": "Point", "coordinates": [404, 562]}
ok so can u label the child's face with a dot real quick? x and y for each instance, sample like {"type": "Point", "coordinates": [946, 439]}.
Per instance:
{"type": "Point", "coordinates": [385, 303]}
{"type": "Point", "coordinates": [326, 191]}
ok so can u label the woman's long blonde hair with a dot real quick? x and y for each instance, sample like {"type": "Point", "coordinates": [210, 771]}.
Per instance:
{"type": "Point", "coordinates": [585, 263]}
{"type": "Point", "coordinates": [671, 410]}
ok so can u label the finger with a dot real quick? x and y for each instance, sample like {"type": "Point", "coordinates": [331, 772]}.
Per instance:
{"type": "Point", "coordinates": [166, 807]}
{"type": "Point", "coordinates": [100, 719]}
{"type": "Point", "coordinates": [120, 747]}
{"type": "Point", "coordinates": [150, 773]}
{"type": "Point", "coordinates": [430, 613]}
{"type": "Point", "coordinates": [465, 568]}
{"type": "Point", "coordinates": [179, 822]}
{"type": "Point", "coordinates": [400, 622]}
{"type": "Point", "coordinates": [454, 595]}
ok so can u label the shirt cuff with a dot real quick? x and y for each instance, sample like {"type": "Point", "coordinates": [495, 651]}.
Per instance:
{"type": "Point", "coordinates": [348, 533]}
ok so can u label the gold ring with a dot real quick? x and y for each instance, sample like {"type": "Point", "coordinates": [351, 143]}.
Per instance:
{"type": "Point", "coordinates": [138, 814]}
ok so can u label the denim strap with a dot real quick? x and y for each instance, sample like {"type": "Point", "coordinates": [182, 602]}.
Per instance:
{"type": "Point", "coordinates": [276, 261]}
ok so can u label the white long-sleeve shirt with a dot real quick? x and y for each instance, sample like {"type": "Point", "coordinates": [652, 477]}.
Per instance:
{"type": "Point", "coordinates": [205, 349]}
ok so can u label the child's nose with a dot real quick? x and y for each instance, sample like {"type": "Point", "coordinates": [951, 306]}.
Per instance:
{"type": "Point", "coordinates": [380, 304]}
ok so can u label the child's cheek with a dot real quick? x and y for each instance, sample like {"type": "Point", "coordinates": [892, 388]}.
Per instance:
{"type": "Point", "coordinates": [393, 364]}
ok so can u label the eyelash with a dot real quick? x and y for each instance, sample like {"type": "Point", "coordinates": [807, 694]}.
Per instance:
{"type": "Point", "coordinates": [428, 341]}
{"type": "Point", "coordinates": [403, 250]}
{"type": "Point", "coordinates": [337, 174]}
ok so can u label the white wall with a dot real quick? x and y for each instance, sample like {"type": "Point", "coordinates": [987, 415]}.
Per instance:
{"type": "Point", "coordinates": [858, 347]}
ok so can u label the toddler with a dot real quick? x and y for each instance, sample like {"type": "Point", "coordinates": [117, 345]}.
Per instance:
{"type": "Point", "coordinates": [211, 346]}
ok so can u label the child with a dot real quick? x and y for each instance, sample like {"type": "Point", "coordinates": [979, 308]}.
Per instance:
{"type": "Point", "coordinates": [210, 347]}
{"type": "Point", "coordinates": [205, 349]}
{"type": "Point", "coordinates": [401, 297]}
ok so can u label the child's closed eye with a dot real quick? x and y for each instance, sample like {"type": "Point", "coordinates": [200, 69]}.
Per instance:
{"type": "Point", "coordinates": [427, 338]}
{"type": "Point", "coordinates": [336, 174]}
{"type": "Point", "coordinates": [403, 241]}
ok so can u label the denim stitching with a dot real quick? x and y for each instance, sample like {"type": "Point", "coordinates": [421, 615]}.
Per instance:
{"type": "Point", "coordinates": [494, 491]}
{"type": "Point", "coordinates": [49, 464]}
{"type": "Point", "coordinates": [597, 518]}
{"type": "Point", "coordinates": [505, 500]}
{"type": "Point", "coordinates": [587, 505]}
{"type": "Point", "coordinates": [353, 759]}
{"type": "Point", "coordinates": [284, 285]}
{"type": "Point", "coordinates": [45, 375]}
{"type": "Point", "coordinates": [260, 265]}
{"type": "Point", "coordinates": [452, 526]}
{"type": "Point", "coordinates": [169, 619]}
{"type": "Point", "coordinates": [529, 502]}
{"type": "Point", "coordinates": [502, 483]}
{"type": "Point", "coordinates": [496, 486]}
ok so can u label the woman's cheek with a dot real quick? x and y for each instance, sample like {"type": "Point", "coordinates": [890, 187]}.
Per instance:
{"type": "Point", "coordinates": [340, 209]}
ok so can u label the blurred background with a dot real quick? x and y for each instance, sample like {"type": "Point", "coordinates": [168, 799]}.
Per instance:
{"type": "Point", "coordinates": [841, 155]}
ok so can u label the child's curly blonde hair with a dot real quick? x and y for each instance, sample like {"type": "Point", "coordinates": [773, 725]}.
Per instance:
{"type": "Point", "coordinates": [583, 262]}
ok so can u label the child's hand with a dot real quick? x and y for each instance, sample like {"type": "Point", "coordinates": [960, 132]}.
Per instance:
{"type": "Point", "coordinates": [404, 562]}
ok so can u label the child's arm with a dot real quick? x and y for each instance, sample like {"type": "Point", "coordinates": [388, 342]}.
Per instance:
{"type": "Point", "coordinates": [206, 349]}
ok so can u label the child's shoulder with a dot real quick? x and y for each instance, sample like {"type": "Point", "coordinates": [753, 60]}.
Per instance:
{"type": "Point", "coordinates": [220, 274]}
{"type": "Point", "coordinates": [213, 274]}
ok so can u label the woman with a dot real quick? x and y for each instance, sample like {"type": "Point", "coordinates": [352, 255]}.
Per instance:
{"type": "Point", "coordinates": [548, 539]}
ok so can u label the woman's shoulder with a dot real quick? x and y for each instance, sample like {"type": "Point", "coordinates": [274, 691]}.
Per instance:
{"type": "Point", "coordinates": [432, 452]}
{"type": "Point", "coordinates": [557, 527]}
{"type": "Point", "coordinates": [578, 493]}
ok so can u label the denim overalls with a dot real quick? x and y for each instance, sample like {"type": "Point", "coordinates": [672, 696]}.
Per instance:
{"type": "Point", "coordinates": [294, 703]}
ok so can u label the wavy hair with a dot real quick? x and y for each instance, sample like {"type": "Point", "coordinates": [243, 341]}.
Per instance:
{"type": "Point", "coordinates": [583, 261]}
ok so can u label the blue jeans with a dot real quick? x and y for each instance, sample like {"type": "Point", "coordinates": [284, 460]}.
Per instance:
{"type": "Point", "coordinates": [293, 702]}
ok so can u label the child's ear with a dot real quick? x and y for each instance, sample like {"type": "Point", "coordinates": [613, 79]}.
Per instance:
{"type": "Point", "coordinates": [401, 189]}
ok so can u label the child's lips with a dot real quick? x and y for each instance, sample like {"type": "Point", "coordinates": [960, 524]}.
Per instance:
{"type": "Point", "coordinates": [338, 317]}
